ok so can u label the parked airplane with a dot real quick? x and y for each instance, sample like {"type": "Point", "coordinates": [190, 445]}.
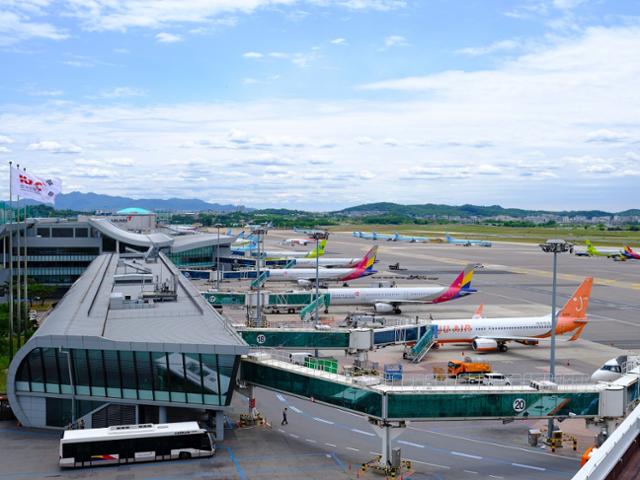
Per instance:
{"type": "Point", "coordinates": [273, 254]}
{"type": "Point", "coordinates": [310, 232]}
{"type": "Point", "coordinates": [306, 276]}
{"type": "Point", "coordinates": [375, 236]}
{"type": "Point", "coordinates": [593, 251]}
{"type": "Point", "coordinates": [295, 241]}
{"type": "Point", "coordinates": [466, 242]}
{"type": "Point", "coordinates": [616, 367]}
{"type": "Point", "coordinates": [492, 334]}
{"type": "Point", "coordinates": [411, 238]}
{"type": "Point", "coordinates": [387, 300]}
{"type": "Point", "coordinates": [329, 262]}
{"type": "Point", "coordinates": [629, 253]}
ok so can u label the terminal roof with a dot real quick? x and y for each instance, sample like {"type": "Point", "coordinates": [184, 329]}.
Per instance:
{"type": "Point", "coordinates": [127, 299]}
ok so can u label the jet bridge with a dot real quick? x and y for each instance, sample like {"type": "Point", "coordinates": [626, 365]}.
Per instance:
{"type": "Point", "coordinates": [362, 339]}
{"type": "Point", "coordinates": [390, 404]}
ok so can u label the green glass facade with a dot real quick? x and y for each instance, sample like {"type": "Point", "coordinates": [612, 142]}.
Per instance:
{"type": "Point", "coordinates": [196, 257]}
{"type": "Point", "coordinates": [346, 396]}
{"type": "Point", "coordinates": [296, 339]}
{"type": "Point", "coordinates": [191, 378]}
{"type": "Point", "coordinates": [477, 405]}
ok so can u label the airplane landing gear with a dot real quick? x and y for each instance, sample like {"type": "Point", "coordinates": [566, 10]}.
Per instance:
{"type": "Point", "coordinates": [503, 347]}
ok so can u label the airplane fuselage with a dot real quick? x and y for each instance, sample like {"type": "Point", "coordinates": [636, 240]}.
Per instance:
{"type": "Point", "coordinates": [309, 274]}
{"type": "Point", "coordinates": [372, 295]}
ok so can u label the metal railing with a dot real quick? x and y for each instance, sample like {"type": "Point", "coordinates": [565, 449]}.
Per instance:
{"type": "Point", "coordinates": [440, 380]}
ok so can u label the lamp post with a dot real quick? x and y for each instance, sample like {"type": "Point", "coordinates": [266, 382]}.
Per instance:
{"type": "Point", "coordinates": [218, 227]}
{"type": "Point", "coordinates": [554, 246]}
{"type": "Point", "coordinates": [258, 233]}
{"type": "Point", "coordinates": [317, 236]}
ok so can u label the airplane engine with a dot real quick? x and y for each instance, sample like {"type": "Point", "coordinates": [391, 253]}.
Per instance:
{"type": "Point", "coordinates": [304, 283]}
{"type": "Point", "coordinates": [484, 345]}
{"type": "Point", "coordinates": [383, 308]}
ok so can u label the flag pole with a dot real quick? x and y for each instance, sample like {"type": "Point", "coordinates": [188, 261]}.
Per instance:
{"type": "Point", "coordinates": [10, 225]}
{"type": "Point", "coordinates": [26, 263]}
{"type": "Point", "coordinates": [19, 274]}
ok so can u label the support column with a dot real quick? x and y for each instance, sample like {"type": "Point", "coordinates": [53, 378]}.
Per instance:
{"type": "Point", "coordinates": [219, 425]}
{"type": "Point", "coordinates": [253, 411]}
{"type": "Point", "coordinates": [162, 414]}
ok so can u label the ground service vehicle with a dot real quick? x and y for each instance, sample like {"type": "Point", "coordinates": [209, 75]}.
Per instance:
{"type": "Point", "coordinates": [495, 379]}
{"type": "Point", "coordinates": [467, 370]}
{"type": "Point", "coordinates": [134, 443]}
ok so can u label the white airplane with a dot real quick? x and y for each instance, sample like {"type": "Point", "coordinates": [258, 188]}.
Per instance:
{"type": "Point", "coordinates": [326, 262]}
{"type": "Point", "coordinates": [295, 241]}
{"type": "Point", "coordinates": [387, 300]}
{"type": "Point", "coordinates": [305, 276]}
{"type": "Point", "coordinates": [273, 254]}
{"type": "Point", "coordinates": [614, 369]}
{"type": "Point", "coordinates": [492, 334]}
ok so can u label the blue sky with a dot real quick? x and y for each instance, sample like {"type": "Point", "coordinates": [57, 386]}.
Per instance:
{"type": "Point", "coordinates": [324, 104]}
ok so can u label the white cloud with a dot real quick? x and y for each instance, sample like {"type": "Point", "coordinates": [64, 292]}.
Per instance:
{"type": "Point", "coordinates": [53, 147]}
{"type": "Point", "coordinates": [339, 41]}
{"type": "Point", "coordinates": [252, 55]}
{"type": "Point", "coordinates": [567, 4]}
{"type": "Point", "coordinates": [500, 46]}
{"type": "Point", "coordinates": [513, 134]}
{"type": "Point", "coordinates": [4, 149]}
{"type": "Point", "coordinates": [607, 136]}
{"type": "Point", "coordinates": [121, 15]}
{"type": "Point", "coordinates": [396, 41]}
{"type": "Point", "coordinates": [5, 139]}
{"type": "Point", "coordinates": [15, 26]}
{"type": "Point", "coordinates": [122, 92]}
{"type": "Point", "coordinates": [165, 37]}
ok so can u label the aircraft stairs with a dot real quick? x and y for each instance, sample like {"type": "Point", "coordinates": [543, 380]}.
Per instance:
{"type": "Point", "coordinates": [259, 282]}
{"type": "Point", "coordinates": [422, 347]}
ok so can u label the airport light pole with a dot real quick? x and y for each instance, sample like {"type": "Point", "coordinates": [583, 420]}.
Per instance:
{"type": "Point", "coordinates": [258, 233]}
{"type": "Point", "coordinates": [317, 236]}
{"type": "Point", "coordinates": [554, 246]}
{"type": "Point", "coordinates": [218, 227]}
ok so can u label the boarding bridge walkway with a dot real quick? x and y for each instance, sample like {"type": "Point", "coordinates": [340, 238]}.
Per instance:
{"type": "Point", "coordinates": [359, 339]}
{"type": "Point", "coordinates": [426, 400]}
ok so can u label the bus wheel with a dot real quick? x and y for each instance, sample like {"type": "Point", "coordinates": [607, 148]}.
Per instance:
{"type": "Point", "coordinates": [184, 455]}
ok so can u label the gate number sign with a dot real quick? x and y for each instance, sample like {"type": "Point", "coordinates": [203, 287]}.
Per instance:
{"type": "Point", "coordinates": [262, 338]}
{"type": "Point", "coordinates": [519, 405]}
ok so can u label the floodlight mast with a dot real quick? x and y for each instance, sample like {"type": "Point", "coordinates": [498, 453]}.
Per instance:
{"type": "Point", "coordinates": [554, 246]}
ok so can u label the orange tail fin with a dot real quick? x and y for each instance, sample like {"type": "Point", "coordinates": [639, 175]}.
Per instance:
{"type": "Point", "coordinates": [576, 306]}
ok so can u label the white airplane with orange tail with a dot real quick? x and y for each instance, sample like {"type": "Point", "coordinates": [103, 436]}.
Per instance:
{"type": "Point", "coordinates": [492, 334]}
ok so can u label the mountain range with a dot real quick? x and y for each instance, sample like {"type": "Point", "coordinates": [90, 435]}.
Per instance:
{"type": "Point", "coordinates": [89, 202]}
{"type": "Point", "coordinates": [428, 209]}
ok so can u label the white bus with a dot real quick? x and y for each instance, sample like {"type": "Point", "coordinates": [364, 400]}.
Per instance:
{"type": "Point", "coordinates": [134, 443]}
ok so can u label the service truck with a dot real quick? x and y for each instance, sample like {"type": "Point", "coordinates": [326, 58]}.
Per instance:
{"type": "Point", "coordinates": [467, 370]}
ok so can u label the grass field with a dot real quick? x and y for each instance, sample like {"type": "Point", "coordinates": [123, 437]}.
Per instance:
{"type": "Point", "coordinates": [576, 235]}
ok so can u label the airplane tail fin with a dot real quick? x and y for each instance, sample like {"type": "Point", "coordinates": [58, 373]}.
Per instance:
{"type": "Point", "coordinates": [448, 238]}
{"type": "Point", "coordinates": [369, 259]}
{"type": "Point", "coordinates": [463, 281]}
{"type": "Point", "coordinates": [479, 311]}
{"type": "Point", "coordinates": [591, 250]}
{"type": "Point", "coordinates": [576, 307]}
{"type": "Point", "coordinates": [318, 252]}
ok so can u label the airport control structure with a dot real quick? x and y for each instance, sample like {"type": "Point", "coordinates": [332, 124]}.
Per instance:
{"type": "Point", "coordinates": [132, 341]}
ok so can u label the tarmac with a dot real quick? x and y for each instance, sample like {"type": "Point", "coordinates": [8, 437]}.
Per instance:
{"type": "Point", "coordinates": [322, 442]}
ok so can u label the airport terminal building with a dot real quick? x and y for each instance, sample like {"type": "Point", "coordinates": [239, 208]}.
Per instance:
{"type": "Point", "coordinates": [132, 341]}
{"type": "Point", "coordinates": [60, 250]}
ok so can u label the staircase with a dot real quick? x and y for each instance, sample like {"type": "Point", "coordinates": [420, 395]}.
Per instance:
{"type": "Point", "coordinates": [259, 282]}
{"type": "Point", "coordinates": [320, 303]}
{"type": "Point", "coordinates": [422, 346]}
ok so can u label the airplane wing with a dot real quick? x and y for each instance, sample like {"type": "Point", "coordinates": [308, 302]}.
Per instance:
{"type": "Point", "coordinates": [510, 338]}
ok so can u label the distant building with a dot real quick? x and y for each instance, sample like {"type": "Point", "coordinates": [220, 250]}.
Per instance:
{"type": "Point", "coordinates": [132, 341]}
{"type": "Point", "coordinates": [59, 250]}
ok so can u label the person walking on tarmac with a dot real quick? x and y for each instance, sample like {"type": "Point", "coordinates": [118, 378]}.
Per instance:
{"type": "Point", "coordinates": [284, 417]}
